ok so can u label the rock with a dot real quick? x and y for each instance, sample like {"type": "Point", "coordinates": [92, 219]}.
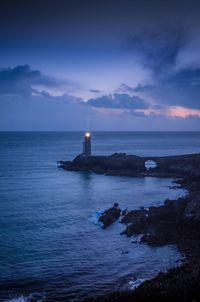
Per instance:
{"type": "Point", "coordinates": [178, 284]}
{"type": "Point", "coordinates": [123, 212]}
{"type": "Point", "coordinates": [155, 239]}
{"type": "Point", "coordinates": [110, 216]}
{"type": "Point", "coordinates": [132, 165]}
{"type": "Point", "coordinates": [192, 209]}
{"type": "Point", "coordinates": [134, 216]}
{"type": "Point", "coordinates": [175, 222]}
{"type": "Point", "coordinates": [125, 252]}
{"type": "Point", "coordinates": [120, 154]}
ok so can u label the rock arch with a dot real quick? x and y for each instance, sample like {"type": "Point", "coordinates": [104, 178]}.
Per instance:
{"type": "Point", "coordinates": [150, 164]}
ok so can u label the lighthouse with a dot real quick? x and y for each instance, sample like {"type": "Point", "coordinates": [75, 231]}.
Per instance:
{"type": "Point", "coordinates": [87, 144]}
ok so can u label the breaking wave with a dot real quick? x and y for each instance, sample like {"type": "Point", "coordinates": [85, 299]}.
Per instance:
{"type": "Point", "coordinates": [95, 218]}
{"type": "Point", "coordinates": [34, 297]}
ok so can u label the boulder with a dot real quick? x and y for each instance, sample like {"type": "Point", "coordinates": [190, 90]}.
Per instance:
{"type": "Point", "coordinates": [110, 216]}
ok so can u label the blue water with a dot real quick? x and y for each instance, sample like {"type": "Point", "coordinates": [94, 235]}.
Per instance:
{"type": "Point", "coordinates": [49, 241]}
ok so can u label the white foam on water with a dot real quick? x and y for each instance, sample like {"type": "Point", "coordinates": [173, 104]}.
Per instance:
{"type": "Point", "coordinates": [18, 299]}
{"type": "Point", "coordinates": [32, 297]}
{"type": "Point", "coordinates": [136, 238]}
{"type": "Point", "coordinates": [95, 218]}
{"type": "Point", "coordinates": [135, 283]}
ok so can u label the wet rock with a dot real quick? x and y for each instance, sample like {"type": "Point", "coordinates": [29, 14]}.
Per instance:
{"type": "Point", "coordinates": [160, 225]}
{"type": "Point", "coordinates": [124, 212]}
{"type": "Point", "coordinates": [175, 222]}
{"type": "Point", "coordinates": [156, 239]}
{"type": "Point", "coordinates": [179, 284]}
{"type": "Point", "coordinates": [110, 216]}
{"type": "Point", "coordinates": [192, 209]}
{"type": "Point", "coordinates": [134, 216]}
{"type": "Point", "coordinates": [125, 252]}
{"type": "Point", "coordinates": [134, 241]}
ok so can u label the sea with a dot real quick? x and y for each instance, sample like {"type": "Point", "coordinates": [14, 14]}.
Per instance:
{"type": "Point", "coordinates": [52, 246]}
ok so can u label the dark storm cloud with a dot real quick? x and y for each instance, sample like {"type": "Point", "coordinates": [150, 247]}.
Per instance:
{"type": "Point", "coordinates": [157, 49]}
{"type": "Point", "coordinates": [175, 72]}
{"type": "Point", "coordinates": [77, 23]}
{"type": "Point", "coordinates": [21, 79]}
{"type": "Point", "coordinates": [180, 88]}
{"type": "Point", "coordinates": [17, 80]}
{"type": "Point", "coordinates": [87, 39]}
{"type": "Point", "coordinates": [119, 101]}
{"type": "Point", "coordinates": [187, 76]}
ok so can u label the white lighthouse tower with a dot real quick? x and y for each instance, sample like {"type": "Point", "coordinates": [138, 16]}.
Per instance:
{"type": "Point", "coordinates": [87, 144]}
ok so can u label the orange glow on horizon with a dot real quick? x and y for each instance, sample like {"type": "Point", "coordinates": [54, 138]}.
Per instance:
{"type": "Point", "coordinates": [173, 111]}
{"type": "Point", "coordinates": [183, 112]}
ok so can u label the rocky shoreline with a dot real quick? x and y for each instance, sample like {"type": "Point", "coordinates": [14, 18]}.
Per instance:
{"type": "Point", "coordinates": [132, 165]}
{"type": "Point", "coordinates": [176, 222]}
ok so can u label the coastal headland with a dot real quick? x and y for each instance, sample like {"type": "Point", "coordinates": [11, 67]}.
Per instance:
{"type": "Point", "coordinates": [175, 222]}
{"type": "Point", "coordinates": [132, 165]}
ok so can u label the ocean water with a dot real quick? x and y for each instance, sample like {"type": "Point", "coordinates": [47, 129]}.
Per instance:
{"type": "Point", "coordinates": [51, 244]}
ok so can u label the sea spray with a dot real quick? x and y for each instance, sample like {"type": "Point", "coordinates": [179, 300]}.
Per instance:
{"type": "Point", "coordinates": [34, 297]}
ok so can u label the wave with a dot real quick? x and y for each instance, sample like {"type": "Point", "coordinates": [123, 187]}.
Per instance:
{"type": "Point", "coordinates": [34, 297]}
{"type": "Point", "coordinates": [135, 283]}
{"type": "Point", "coordinates": [17, 299]}
{"type": "Point", "coordinates": [95, 218]}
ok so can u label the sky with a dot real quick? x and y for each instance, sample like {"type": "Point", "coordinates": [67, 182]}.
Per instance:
{"type": "Point", "coordinates": [100, 65]}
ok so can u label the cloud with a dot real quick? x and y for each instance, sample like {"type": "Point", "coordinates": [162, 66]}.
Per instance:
{"type": "Point", "coordinates": [24, 107]}
{"type": "Point", "coordinates": [157, 49]}
{"type": "Point", "coordinates": [43, 111]}
{"type": "Point", "coordinates": [179, 88]}
{"type": "Point", "coordinates": [171, 54]}
{"type": "Point", "coordinates": [95, 90]}
{"type": "Point", "coordinates": [119, 101]}
{"type": "Point", "coordinates": [21, 80]}
{"type": "Point", "coordinates": [123, 88]}
{"type": "Point", "coordinates": [18, 80]}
